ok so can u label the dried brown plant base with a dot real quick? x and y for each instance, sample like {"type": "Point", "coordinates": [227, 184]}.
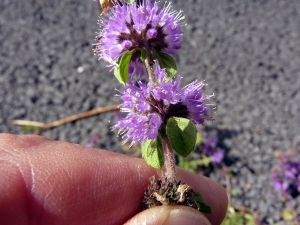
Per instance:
{"type": "Point", "coordinates": [163, 192]}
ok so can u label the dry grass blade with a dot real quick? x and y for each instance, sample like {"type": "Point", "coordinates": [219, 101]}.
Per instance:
{"type": "Point", "coordinates": [46, 126]}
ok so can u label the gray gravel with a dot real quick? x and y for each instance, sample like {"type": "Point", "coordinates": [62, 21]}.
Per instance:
{"type": "Point", "coordinates": [247, 51]}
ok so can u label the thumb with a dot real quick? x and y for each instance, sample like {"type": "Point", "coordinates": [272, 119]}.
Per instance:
{"type": "Point", "coordinates": [167, 215]}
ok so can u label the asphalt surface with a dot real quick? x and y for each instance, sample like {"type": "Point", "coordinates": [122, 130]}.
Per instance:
{"type": "Point", "coordinates": [247, 51]}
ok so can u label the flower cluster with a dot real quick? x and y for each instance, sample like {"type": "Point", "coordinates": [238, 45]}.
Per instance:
{"type": "Point", "coordinates": [210, 149]}
{"type": "Point", "coordinates": [286, 175]}
{"type": "Point", "coordinates": [149, 107]}
{"type": "Point", "coordinates": [136, 26]}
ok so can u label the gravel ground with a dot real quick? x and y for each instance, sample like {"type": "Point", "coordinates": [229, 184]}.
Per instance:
{"type": "Point", "coordinates": [247, 51]}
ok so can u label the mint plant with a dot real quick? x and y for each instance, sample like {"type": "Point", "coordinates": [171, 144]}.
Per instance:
{"type": "Point", "coordinates": [286, 176]}
{"type": "Point", "coordinates": [138, 40]}
{"type": "Point", "coordinates": [286, 181]}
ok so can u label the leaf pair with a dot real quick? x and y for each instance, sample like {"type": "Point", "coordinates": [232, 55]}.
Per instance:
{"type": "Point", "coordinates": [165, 61]}
{"type": "Point", "coordinates": [181, 134]}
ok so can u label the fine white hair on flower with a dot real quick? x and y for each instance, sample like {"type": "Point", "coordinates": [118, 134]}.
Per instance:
{"type": "Point", "coordinates": [132, 27]}
{"type": "Point", "coordinates": [149, 107]}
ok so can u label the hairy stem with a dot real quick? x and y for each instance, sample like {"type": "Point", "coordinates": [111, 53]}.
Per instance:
{"type": "Point", "coordinates": [150, 71]}
{"type": "Point", "coordinates": [168, 151]}
{"type": "Point", "coordinates": [169, 160]}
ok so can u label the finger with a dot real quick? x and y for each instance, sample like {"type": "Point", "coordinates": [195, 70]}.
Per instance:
{"type": "Point", "coordinates": [56, 182]}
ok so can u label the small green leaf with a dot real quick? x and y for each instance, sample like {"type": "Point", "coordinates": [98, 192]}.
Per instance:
{"type": "Point", "coordinates": [203, 207]}
{"type": "Point", "coordinates": [129, 2]}
{"type": "Point", "coordinates": [250, 219]}
{"type": "Point", "coordinates": [205, 160]}
{"type": "Point", "coordinates": [199, 139]}
{"type": "Point", "coordinates": [198, 197]}
{"type": "Point", "coordinates": [167, 62]}
{"type": "Point", "coordinates": [118, 75]}
{"type": "Point", "coordinates": [248, 216]}
{"type": "Point", "coordinates": [287, 214]}
{"type": "Point", "coordinates": [233, 192]}
{"type": "Point", "coordinates": [121, 71]}
{"type": "Point", "coordinates": [152, 152]}
{"type": "Point", "coordinates": [182, 135]}
{"type": "Point", "coordinates": [188, 164]}
{"type": "Point", "coordinates": [26, 129]}
{"type": "Point", "coordinates": [143, 54]}
{"type": "Point", "coordinates": [30, 129]}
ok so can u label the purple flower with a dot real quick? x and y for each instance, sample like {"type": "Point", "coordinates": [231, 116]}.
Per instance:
{"type": "Point", "coordinates": [279, 182]}
{"type": "Point", "coordinates": [209, 148]}
{"type": "Point", "coordinates": [141, 122]}
{"type": "Point", "coordinates": [194, 100]}
{"type": "Point", "coordinates": [286, 175]}
{"type": "Point", "coordinates": [136, 26]}
{"type": "Point", "coordinates": [218, 156]}
{"type": "Point", "coordinates": [149, 107]}
{"type": "Point", "coordinates": [136, 68]}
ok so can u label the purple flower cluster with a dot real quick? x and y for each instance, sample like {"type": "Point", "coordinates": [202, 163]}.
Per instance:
{"type": "Point", "coordinates": [210, 149]}
{"type": "Point", "coordinates": [149, 107]}
{"type": "Point", "coordinates": [286, 175]}
{"type": "Point", "coordinates": [136, 26]}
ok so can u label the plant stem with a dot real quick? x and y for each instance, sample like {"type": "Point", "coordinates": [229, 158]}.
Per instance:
{"type": "Point", "coordinates": [168, 150]}
{"type": "Point", "coordinates": [169, 160]}
{"type": "Point", "coordinates": [150, 71]}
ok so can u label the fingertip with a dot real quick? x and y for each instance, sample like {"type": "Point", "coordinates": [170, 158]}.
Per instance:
{"type": "Point", "coordinates": [169, 215]}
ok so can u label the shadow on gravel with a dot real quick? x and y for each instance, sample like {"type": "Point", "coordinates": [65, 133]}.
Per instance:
{"type": "Point", "coordinates": [223, 135]}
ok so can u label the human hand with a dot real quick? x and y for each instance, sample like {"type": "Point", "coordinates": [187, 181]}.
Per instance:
{"type": "Point", "coordinates": [50, 182]}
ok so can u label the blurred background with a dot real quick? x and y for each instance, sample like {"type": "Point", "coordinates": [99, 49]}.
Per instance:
{"type": "Point", "coordinates": [248, 52]}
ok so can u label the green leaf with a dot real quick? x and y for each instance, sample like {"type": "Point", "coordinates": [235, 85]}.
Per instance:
{"type": "Point", "coordinates": [188, 164]}
{"type": "Point", "coordinates": [129, 2]}
{"type": "Point", "coordinates": [26, 129]}
{"type": "Point", "coordinates": [205, 160]}
{"type": "Point", "coordinates": [287, 214]}
{"type": "Point", "coordinates": [30, 129]}
{"type": "Point", "coordinates": [143, 54]}
{"type": "Point", "coordinates": [203, 207]}
{"type": "Point", "coordinates": [167, 62]}
{"type": "Point", "coordinates": [121, 71]}
{"type": "Point", "coordinates": [233, 192]}
{"type": "Point", "coordinates": [181, 133]}
{"type": "Point", "coordinates": [250, 219]}
{"type": "Point", "coordinates": [198, 197]}
{"type": "Point", "coordinates": [152, 152]}
{"type": "Point", "coordinates": [118, 74]}
{"type": "Point", "coordinates": [199, 139]}
{"type": "Point", "coordinates": [233, 217]}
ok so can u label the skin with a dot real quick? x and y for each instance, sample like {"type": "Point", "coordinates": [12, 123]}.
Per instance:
{"type": "Point", "coordinates": [51, 182]}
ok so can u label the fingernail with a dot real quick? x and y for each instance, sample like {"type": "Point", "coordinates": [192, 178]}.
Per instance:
{"type": "Point", "coordinates": [186, 215]}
